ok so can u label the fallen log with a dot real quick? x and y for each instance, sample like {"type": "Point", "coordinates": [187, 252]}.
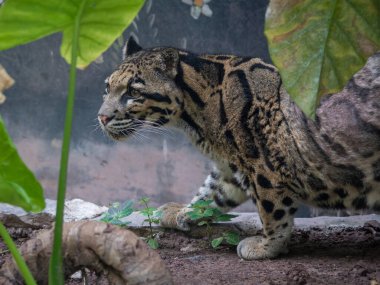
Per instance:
{"type": "Point", "coordinates": [117, 253]}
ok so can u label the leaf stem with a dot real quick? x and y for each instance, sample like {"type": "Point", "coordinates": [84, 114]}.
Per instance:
{"type": "Point", "coordinates": [56, 261]}
{"type": "Point", "coordinates": [150, 221]}
{"type": "Point", "coordinates": [208, 230]}
{"type": "Point", "coordinates": [24, 270]}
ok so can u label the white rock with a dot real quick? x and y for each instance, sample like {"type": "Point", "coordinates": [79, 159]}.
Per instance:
{"type": "Point", "coordinates": [77, 275]}
{"type": "Point", "coordinates": [75, 209]}
{"type": "Point", "coordinates": [78, 209]}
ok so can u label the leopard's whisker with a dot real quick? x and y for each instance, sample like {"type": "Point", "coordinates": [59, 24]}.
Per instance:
{"type": "Point", "coordinates": [96, 127]}
{"type": "Point", "coordinates": [156, 131]}
{"type": "Point", "coordinates": [139, 137]}
{"type": "Point", "coordinates": [155, 127]}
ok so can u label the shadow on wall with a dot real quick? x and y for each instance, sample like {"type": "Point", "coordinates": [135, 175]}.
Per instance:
{"type": "Point", "coordinates": [103, 173]}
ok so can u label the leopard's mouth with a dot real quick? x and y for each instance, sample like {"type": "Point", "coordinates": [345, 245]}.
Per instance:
{"type": "Point", "coordinates": [123, 129]}
{"type": "Point", "coordinates": [120, 129]}
{"type": "Point", "coordinates": [120, 135]}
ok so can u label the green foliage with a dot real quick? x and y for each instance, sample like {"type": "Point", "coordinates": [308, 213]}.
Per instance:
{"type": "Point", "coordinates": [153, 243]}
{"type": "Point", "coordinates": [319, 45]}
{"type": "Point", "coordinates": [18, 185]}
{"type": "Point", "coordinates": [230, 237]}
{"type": "Point", "coordinates": [89, 27]}
{"type": "Point", "coordinates": [153, 217]}
{"type": "Point", "coordinates": [24, 270]}
{"type": "Point", "coordinates": [216, 242]}
{"type": "Point", "coordinates": [202, 210]}
{"type": "Point", "coordinates": [101, 22]}
{"type": "Point", "coordinates": [117, 212]}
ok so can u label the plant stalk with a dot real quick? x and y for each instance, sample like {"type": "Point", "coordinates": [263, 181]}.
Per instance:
{"type": "Point", "coordinates": [150, 222]}
{"type": "Point", "coordinates": [24, 270]}
{"type": "Point", "coordinates": [208, 231]}
{"type": "Point", "coordinates": [56, 261]}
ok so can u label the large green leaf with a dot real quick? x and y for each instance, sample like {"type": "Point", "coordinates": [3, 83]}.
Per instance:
{"type": "Point", "coordinates": [101, 22]}
{"type": "Point", "coordinates": [319, 45]}
{"type": "Point", "coordinates": [18, 186]}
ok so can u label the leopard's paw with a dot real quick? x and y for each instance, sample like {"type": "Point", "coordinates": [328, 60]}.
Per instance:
{"type": "Point", "coordinates": [260, 248]}
{"type": "Point", "coordinates": [173, 215]}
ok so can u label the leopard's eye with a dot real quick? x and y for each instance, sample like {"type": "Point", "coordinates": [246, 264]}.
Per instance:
{"type": "Point", "coordinates": [126, 97]}
{"type": "Point", "coordinates": [130, 94]}
{"type": "Point", "coordinates": [134, 93]}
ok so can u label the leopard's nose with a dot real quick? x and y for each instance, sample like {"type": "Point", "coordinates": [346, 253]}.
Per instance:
{"type": "Point", "coordinates": [104, 119]}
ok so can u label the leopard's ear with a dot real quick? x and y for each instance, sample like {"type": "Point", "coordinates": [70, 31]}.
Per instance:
{"type": "Point", "coordinates": [131, 47]}
{"type": "Point", "coordinates": [171, 60]}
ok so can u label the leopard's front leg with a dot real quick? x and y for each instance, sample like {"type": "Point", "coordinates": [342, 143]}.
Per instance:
{"type": "Point", "coordinates": [276, 209]}
{"type": "Point", "coordinates": [225, 186]}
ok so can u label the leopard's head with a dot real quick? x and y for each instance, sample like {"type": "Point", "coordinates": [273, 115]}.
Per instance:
{"type": "Point", "coordinates": [142, 92]}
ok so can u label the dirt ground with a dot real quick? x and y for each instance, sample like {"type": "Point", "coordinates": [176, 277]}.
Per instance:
{"type": "Point", "coordinates": [344, 256]}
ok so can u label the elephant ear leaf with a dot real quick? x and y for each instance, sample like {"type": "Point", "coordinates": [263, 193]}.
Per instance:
{"type": "Point", "coordinates": [319, 45]}
{"type": "Point", "coordinates": [18, 185]}
{"type": "Point", "coordinates": [100, 22]}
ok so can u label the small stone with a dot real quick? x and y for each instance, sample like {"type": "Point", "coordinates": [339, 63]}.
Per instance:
{"type": "Point", "coordinates": [77, 275]}
{"type": "Point", "coordinates": [195, 258]}
{"type": "Point", "coordinates": [189, 248]}
{"type": "Point", "coordinates": [373, 224]}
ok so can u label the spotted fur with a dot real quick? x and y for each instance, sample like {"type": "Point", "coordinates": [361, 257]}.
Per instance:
{"type": "Point", "coordinates": [236, 111]}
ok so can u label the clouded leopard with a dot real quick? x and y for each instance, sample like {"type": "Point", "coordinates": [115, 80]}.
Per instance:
{"type": "Point", "coordinates": [237, 112]}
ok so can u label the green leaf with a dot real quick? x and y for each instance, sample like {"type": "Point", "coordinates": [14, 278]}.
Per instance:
{"type": "Point", "coordinates": [201, 223]}
{"type": "Point", "coordinates": [126, 209]}
{"type": "Point", "coordinates": [127, 204]}
{"type": "Point", "coordinates": [144, 200]}
{"type": "Point", "coordinates": [153, 243]}
{"type": "Point", "coordinates": [232, 238]}
{"type": "Point", "coordinates": [18, 185]}
{"type": "Point", "coordinates": [101, 22]}
{"type": "Point", "coordinates": [155, 221]}
{"type": "Point", "coordinates": [193, 215]}
{"type": "Point", "coordinates": [208, 212]}
{"type": "Point", "coordinates": [217, 212]}
{"type": "Point", "coordinates": [158, 214]}
{"type": "Point", "coordinates": [318, 45]}
{"type": "Point", "coordinates": [216, 242]}
{"type": "Point", "coordinates": [112, 211]}
{"type": "Point", "coordinates": [116, 212]}
{"type": "Point", "coordinates": [118, 222]}
{"type": "Point", "coordinates": [225, 218]}
{"type": "Point", "coordinates": [201, 204]}
{"type": "Point", "coordinates": [152, 220]}
{"type": "Point", "coordinates": [125, 212]}
{"type": "Point", "coordinates": [106, 217]}
{"type": "Point", "coordinates": [115, 205]}
{"type": "Point", "coordinates": [148, 211]}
